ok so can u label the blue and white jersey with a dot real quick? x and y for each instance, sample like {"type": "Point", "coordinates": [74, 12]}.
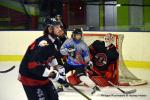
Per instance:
{"type": "Point", "coordinates": [81, 53]}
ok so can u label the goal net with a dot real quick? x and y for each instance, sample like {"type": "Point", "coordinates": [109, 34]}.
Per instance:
{"type": "Point", "coordinates": [125, 77]}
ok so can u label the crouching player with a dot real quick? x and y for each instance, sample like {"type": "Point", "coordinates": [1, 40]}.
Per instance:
{"type": "Point", "coordinates": [104, 56]}
{"type": "Point", "coordinates": [78, 57]}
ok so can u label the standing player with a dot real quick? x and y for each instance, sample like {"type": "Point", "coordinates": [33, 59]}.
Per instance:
{"type": "Point", "coordinates": [39, 64]}
{"type": "Point", "coordinates": [59, 19]}
{"type": "Point", "coordinates": [58, 42]}
{"type": "Point", "coordinates": [78, 57]}
{"type": "Point", "coordinates": [104, 56]}
{"type": "Point", "coordinates": [60, 58]}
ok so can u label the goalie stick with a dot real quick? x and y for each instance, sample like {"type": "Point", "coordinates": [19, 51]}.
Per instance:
{"type": "Point", "coordinates": [8, 70]}
{"type": "Point", "coordinates": [125, 92]}
{"type": "Point", "coordinates": [79, 92]}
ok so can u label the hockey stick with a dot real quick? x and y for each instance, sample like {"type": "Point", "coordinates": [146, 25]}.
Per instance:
{"type": "Point", "coordinates": [125, 92]}
{"type": "Point", "coordinates": [79, 92]}
{"type": "Point", "coordinates": [8, 70]}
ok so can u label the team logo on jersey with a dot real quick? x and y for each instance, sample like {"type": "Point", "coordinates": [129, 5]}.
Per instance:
{"type": "Point", "coordinates": [79, 58]}
{"type": "Point", "coordinates": [43, 43]}
{"type": "Point", "coordinates": [100, 59]}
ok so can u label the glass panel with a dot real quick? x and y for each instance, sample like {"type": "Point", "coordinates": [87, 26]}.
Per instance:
{"type": "Point", "coordinates": [98, 15]}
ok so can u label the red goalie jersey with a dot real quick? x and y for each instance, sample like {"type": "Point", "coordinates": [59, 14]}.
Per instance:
{"type": "Point", "coordinates": [104, 57]}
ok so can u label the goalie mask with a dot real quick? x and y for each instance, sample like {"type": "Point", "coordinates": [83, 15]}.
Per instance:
{"type": "Point", "coordinates": [77, 34]}
{"type": "Point", "coordinates": [109, 39]}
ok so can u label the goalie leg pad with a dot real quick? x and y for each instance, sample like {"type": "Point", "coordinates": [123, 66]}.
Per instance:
{"type": "Point", "coordinates": [87, 81]}
{"type": "Point", "coordinates": [99, 81]}
{"type": "Point", "coordinates": [73, 79]}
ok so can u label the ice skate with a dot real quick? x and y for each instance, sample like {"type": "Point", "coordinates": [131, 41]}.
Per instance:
{"type": "Point", "coordinates": [60, 88]}
{"type": "Point", "coordinates": [95, 89]}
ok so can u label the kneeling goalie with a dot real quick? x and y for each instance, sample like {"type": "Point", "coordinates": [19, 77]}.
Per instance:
{"type": "Point", "coordinates": [104, 56]}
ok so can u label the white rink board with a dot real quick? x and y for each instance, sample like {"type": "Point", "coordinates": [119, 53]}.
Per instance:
{"type": "Point", "coordinates": [16, 43]}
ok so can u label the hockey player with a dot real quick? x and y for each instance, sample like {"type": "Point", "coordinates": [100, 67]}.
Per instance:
{"type": "Point", "coordinates": [60, 58]}
{"type": "Point", "coordinates": [39, 65]}
{"type": "Point", "coordinates": [58, 42]}
{"type": "Point", "coordinates": [78, 57]}
{"type": "Point", "coordinates": [59, 18]}
{"type": "Point", "coordinates": [104, 56]}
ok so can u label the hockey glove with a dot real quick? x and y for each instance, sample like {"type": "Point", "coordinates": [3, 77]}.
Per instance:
{"type": "Point", "coordinates": [58, 77]}
{"type": "Point", "coordinates": [61, 70]}
{"type": "Point", "coordinates": [54, 75]}
{"type": "Point", "coordinates": [71, 51]}
{"type": "Point", "coordinates": [90, 65]}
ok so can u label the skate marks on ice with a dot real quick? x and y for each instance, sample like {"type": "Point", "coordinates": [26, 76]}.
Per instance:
{"type": "Point", "coordinates": [11, 88]}
{"type": "Point", "coordinates": [108, 93]}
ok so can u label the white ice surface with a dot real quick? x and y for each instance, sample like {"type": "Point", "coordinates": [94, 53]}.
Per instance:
{"type": "Point", "coordinates": [11, 88]}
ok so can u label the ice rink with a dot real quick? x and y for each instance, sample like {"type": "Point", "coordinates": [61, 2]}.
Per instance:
{"type": "Point", "coordinates": [11, 88]}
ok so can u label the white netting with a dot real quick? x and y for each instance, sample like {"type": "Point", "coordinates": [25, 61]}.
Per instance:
{"type": "Point", "coordinates": [125, 77]}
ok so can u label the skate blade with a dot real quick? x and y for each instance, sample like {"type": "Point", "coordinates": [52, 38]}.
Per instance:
{"type": "Point", "coordinates": [130, 91]}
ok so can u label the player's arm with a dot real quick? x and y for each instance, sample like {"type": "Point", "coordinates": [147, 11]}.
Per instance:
{"type": "Point", "coordinates": [67, 48]}
{"type": "Point", "coordinates": [64, 48]}
{"type": "Point", "coordinates": [41, 54]}
{"type": "Point", "coordinates": [86, 56]}
{"type": "Point", "coordinates": [112, 54]}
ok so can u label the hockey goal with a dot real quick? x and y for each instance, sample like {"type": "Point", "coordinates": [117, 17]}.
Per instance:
{"type": "Point", "coordinates": [125, 77]}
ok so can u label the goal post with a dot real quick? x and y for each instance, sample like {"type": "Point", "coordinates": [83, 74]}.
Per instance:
{"type": "Point", "coordinates": [125, 76]}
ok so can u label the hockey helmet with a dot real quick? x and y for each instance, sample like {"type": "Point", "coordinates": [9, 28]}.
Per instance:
{"type": "Point", "coordinates": [77, 34]}
{"type": "Point", "coordinates": [109, 39]}
{"type": "Point", "coordinates": [77, 31]}
{"type": "Point", "coordinates": [50, 22]}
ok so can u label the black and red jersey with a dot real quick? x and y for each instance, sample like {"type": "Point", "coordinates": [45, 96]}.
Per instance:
{"type": "Point", "coordinates": [102, 56]}
{"type": "Point", "coordinates": [58, 42]}
{"type": "Point", "coordinates": [35, 60]}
